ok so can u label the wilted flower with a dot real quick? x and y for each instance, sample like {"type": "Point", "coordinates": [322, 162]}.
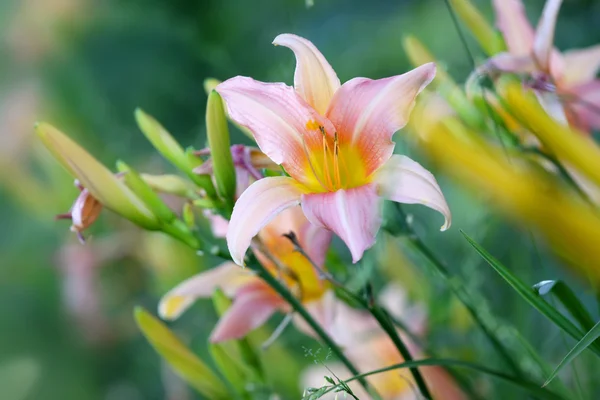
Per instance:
{"type": "Point", "coordinates": [83, 213]}
{"type": "Point", "coordinates": [570, 76]}
{"type": "Point", "coordinates": [335, 143]}
{"type": "Point", "coordinates": [255, 301]}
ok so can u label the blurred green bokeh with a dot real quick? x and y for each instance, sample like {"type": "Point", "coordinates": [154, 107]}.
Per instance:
{"type": "Point", "coordinates": [67, 330]}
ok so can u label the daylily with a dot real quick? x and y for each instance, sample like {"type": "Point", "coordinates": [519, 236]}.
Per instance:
{"type": "Point", "coordinates": [370, 348]}
{"type": "Point", "coordinates": [335, 143]}
{"type": "Point", "coordinates": [254, 302]}
{"type": "Point", "coordinates": [570, 76]}
{"type": "Point", "coordinates": [83, 213]}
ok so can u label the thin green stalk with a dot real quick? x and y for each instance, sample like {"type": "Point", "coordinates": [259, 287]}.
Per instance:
{"type": "Point", "coordinates": [460, 292]}
{"type": "Point", "coordinates": [297, 306]}
{"type": "Point", "coordinates": [533, 388]}
{"type": "Point", "coordinates": [384, 321]}
{"type": "Point", "coordinates": [376, 311]}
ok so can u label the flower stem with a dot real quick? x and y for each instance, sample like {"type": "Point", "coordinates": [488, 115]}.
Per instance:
{"type": "Point", "coordinates": [297, 306]}
{"type": "Point", "coordinates": [376, 311]}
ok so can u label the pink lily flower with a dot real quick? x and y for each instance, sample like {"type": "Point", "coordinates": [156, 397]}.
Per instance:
{"type": "Point", "coordinates": [370, 348]}
{"type": "Point", "coordinates": [570, 75]}
{"type": "Point", "coordinates": [335, 143]}
{"type": "Point", "coordinates": [254, 302]}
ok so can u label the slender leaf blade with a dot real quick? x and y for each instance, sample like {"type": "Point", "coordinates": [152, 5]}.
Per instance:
{"type": "Point", "coordinates": [583, 344]}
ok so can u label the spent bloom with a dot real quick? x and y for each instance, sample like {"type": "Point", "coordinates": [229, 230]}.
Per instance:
{"type": "Point", "coordinates": [335, 143]}
{"type": "Point", "coordinates": [571, 75]}
{"type": "Point", "coordinates": [254, 301]}
{"type": "Point", "coordinates": [83, 213]}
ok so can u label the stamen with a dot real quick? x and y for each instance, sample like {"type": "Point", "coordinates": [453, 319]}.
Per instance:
{"type": "Point", "coordinates": [336, 164]}
{"type": "Point", "coordinates": [312, 168]}
{"type": "Point", "coordinates": [277, 332]}
{"type": "Point", "coordinates": [326, 164]}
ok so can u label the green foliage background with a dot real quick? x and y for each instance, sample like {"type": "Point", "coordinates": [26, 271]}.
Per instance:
{"type": "Point", "coordinates": [110, 57]}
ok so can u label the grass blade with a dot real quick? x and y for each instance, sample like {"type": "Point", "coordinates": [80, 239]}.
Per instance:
{"type": "Point", "coordinates": [529, 295]}
{"type": "Point", "coordinates": [583, 344]}
{"type": "Point", "coordinates": [533, 388]}
{"type": "Point", "coordinates": [567, 297]}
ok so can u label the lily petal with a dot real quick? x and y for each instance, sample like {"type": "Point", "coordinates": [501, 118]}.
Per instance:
{"type": "Point", "coordinates": [252, 307]}
{"type": "Point", "coordinates": [507, 62]}
{"type": "Point", "coordinates": [406, 181]}
{"type": "Point", "coordinates": [586, 105]}
{"type": "Point", "coordinates": [543, 47]}
{"type": "Point", "coordinates": [258, 205]}
{"type": "Point", "coordinates": [314, 79]}
{"type": "Point", "coordinates": [368, 112]}
{"type": "Point", "coordinates": [581, 65]}
{"type": "Point", "coordinates": [279, 119]}
{"type": "Point", "coordinates": [227, 276]}
{"type": "Point", "coordinates": [353, 214]}
{"type": "Point", "coordinates": [315, 241]}
{"type": "Point", "coordinates": [512, 21]}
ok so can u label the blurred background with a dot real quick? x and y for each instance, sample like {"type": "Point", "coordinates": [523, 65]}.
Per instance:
{"type": "Point", "coordinates": [66, 325]}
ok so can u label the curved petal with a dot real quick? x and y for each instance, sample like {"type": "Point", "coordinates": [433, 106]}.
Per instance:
{"type": "Point", "coordinates": [314, 79]}
{"type": "Point", "coordinates": [315, 241]}
{"type": "Point", "coordinates": [543, 47]}
{"type": "Point", "coordinates": [282, 123]}
{"type": "Point", "coordinates": [406, 181]}
{"type": "Point", "coordinates": [258, 205]}
{"type": "Point", "coordinates": [586, 105]}
{"type": "Point", "coordinates": [368, 112]}
{"type": "Point", "coordinates": [512, 21]}
{"type": "Point", "coordinates": [507, 62]}
{"type": "Point", "coordinates": [353, 214]}
{"type": "Point", "coordinates": [252, 307]}
{"type": "Point", "coordinates": [581, 65]}
{"type": "Point", "coordinates": [227, 276]}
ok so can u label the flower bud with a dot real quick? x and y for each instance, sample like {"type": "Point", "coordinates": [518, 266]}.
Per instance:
{"type": "Point", "coordinates": [101, 184]}
{"type": "Point", "coordinates": [489, 39]}
{"type": "Point", "coordinates": [218, 141]}
{"type": "Point", "coordinates": [135, 182]}
{"type": "Point", "coordinates": [171, 150]}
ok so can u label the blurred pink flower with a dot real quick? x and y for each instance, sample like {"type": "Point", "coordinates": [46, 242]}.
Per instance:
{"type": "Point", "coordinates": [254, 302]}
{"type": "Point", "coordinates": [335, 143]}
{"type": "Point", "coordinates": [370, 348]}
{"type": "Point", "coordinates": [570, 76]}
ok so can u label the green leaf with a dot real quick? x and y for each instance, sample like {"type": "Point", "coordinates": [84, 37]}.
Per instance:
{"type": "Point", "coordinates": [583, 344]}
{"type": "Point", "coordinates": [185, 363]}
{"type": "Point", "coordinates": [237, 374]}
{"type": "Point", "coordinates": [567, 297]}
{"type": "Point", "coordinates": [528, 294]}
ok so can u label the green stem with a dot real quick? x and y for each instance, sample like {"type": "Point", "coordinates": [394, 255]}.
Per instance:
{"type": "Point", "coordinates": [384, 321]}
{"type": "Point", "coordinates": [533, 388]}
{"type": "Point", "coordinates": [462, 295]}
{"type": "Point", "coordinates": [297, 306]}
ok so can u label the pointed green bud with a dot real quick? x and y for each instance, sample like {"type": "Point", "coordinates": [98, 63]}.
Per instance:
{"type": "Point", "coordinates": [166, 145]}
{"type": "Point", "coordinates": [210, 84]}
{"type": "Point", "coordinates": [170, 184]}
{"type": "Point", "coordinates": [221, 302]}
{"type": "Point", "coordinates": [144, 192]}
{"type": "Point", "coordinates": [236, 373]}
{"type": "Point", "coordinates": [101, 183]}
{"type": "Point", "coordinates": [220, 151]}
{"type": "Point", "coordinates": [489, 39]}
{"type": "Point", "coordinates": [179, 357]}
{"type": "Point", "coordinates": [418, 55]}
